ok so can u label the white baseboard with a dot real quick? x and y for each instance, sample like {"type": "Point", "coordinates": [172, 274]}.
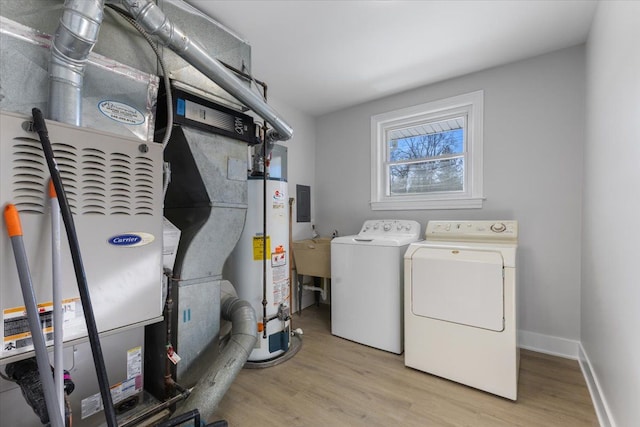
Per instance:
{"type": "Point", "coordinates": [570, 349]}
{"type": "Point", "coordinates": [599, 402]}
{"type": "Point", "coordinates": [548, 344]}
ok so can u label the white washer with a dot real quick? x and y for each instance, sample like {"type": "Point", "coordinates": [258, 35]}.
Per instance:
{"type": "Point", "coordinates": [460, 304]}
{"type": "Point", "coordinates": [367, 283]}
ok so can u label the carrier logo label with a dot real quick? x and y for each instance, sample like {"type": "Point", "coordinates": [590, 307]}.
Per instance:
{"type": "Point", "coordinates": [131, 240]}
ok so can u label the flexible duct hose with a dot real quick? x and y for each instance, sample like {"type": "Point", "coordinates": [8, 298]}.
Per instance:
{"type": "Point", "coordinates": [210, 389]}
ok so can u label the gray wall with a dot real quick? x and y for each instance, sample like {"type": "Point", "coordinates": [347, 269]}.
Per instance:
{"type": "Point", "coordinates": [533, 142]}
{"type": "Point", "coordinates": [301, 170]}
{"type": "Point", "coordinates": [611, 208]}
{"type": "Point", "coordinates": [300, 162]}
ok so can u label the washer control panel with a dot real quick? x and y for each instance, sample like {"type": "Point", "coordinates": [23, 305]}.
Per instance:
{"type": "Point", "coordinates": [473, 231]}
{"type": "Point", "coordinates": [395, 227]}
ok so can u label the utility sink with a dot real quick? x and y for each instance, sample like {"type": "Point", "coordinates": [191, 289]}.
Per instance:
{"type": "Point", "coordinates": [313, 257]}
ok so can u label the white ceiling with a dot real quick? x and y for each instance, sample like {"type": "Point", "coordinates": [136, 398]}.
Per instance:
{"type": "Point", "coordinates": [322, 56]}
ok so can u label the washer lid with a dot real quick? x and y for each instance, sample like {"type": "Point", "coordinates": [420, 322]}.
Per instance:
{"type": "Point", "coordinates": [374, 240]}
{"type": "Point", "coordinates": [458, 285]}
{"type": "Point", "coordinates": [384, 232]}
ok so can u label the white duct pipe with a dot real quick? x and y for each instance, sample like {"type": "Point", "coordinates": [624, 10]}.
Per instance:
{"type": "Point", "coordinates": [56, 279]}
{"type": "Point", "coordinates": [75, 37]}
{"type": "Point", "coordinates": [155, 22]}
{"type": "Point", "coordinates": [210, 389]}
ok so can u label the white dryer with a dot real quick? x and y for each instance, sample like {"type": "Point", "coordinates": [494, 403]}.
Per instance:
{"type": "Point", "coordinates": [367, 283]}
{"type": "Point", "coordinates": [460, 304]}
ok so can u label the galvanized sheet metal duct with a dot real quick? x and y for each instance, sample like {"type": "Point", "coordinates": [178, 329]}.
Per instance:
{"type": "Point", "coordinates": [155, 22]}
{"type": "Point", "coordinates": [78, 32]}
{"type": "Point", "coordinates": [75, 37]}
{"type": "Point", "coordinates": [207, 201]}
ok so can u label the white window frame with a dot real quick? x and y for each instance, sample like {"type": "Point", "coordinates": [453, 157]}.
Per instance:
{"type": "Point", "coordinates": [471, 105]}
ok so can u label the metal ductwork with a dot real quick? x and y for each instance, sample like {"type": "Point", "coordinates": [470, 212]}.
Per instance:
{"type": "Point", "coordinates": [213, 385]}
{"type": "Point", "coordinates": [155, 22]}
{"type": "Point", "coordinates": [78, 32]}
{"type": "Point", "coordinates": [224, 194]}
{"type": "Point", "coordinates": [75, 37]}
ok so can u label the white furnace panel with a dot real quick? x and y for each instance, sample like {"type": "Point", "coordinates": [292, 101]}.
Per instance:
{"type": "Point", "coordinates": [114, 188]}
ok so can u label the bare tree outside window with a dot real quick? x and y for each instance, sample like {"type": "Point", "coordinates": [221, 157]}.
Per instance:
{"type": "Point", "coordinates": [429, 156]}
{"type": "Point", "coordinates": [427, 163]}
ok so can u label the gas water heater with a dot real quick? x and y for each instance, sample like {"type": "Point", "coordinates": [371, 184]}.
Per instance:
{"type": "Point", "coordinates": [256, 257]}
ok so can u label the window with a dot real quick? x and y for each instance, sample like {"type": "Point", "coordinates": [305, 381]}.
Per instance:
{"type": "Point", "coordinates": [428, 156]}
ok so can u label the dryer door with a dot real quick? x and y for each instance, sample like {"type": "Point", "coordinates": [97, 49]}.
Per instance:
{"type": "Point", "coordinates": [458, 285]}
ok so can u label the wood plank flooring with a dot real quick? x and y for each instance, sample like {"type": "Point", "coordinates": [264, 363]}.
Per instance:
{"type": "Point", "coordinates": [335, 382]}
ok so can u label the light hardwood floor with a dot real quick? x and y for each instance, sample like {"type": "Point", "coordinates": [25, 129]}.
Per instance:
{"type": "Point", "coordinates": [335, 382]}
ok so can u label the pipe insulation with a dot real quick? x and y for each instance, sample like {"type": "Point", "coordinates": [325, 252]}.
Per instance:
{"type": "Point", "coordinates": [74, 39]}
{"type": "Point", "coordinates": [213, 385]}
{"type": "Point", "coordinates": [156, 23]}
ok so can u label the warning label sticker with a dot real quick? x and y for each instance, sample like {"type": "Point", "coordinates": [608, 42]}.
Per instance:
{"type": "Point", "coordinates": [259, 247]}
{"type": "Point", "coordinates": [17, 334]}
{"type": "Point", "coordinates": [120, 391]}
{"type": "Point", "coordinates": [278, 259]}
{"type": "Point", "coordinates": [280, 292]}
{"type": "Point", "coordinates": [134, 362]}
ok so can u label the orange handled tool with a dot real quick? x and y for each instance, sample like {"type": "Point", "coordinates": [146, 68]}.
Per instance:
{"type": "Point", "coordinates": [52, 190]}
{"type": "Point", "coordinates": [12, 219]}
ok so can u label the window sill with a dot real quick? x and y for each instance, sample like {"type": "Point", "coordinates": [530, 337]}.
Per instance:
{"type": "Point", "coordinates": [394, 205]}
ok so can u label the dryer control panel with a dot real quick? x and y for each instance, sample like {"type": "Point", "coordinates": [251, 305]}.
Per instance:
{"type": "Point", "coordinates": [499, 231]}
